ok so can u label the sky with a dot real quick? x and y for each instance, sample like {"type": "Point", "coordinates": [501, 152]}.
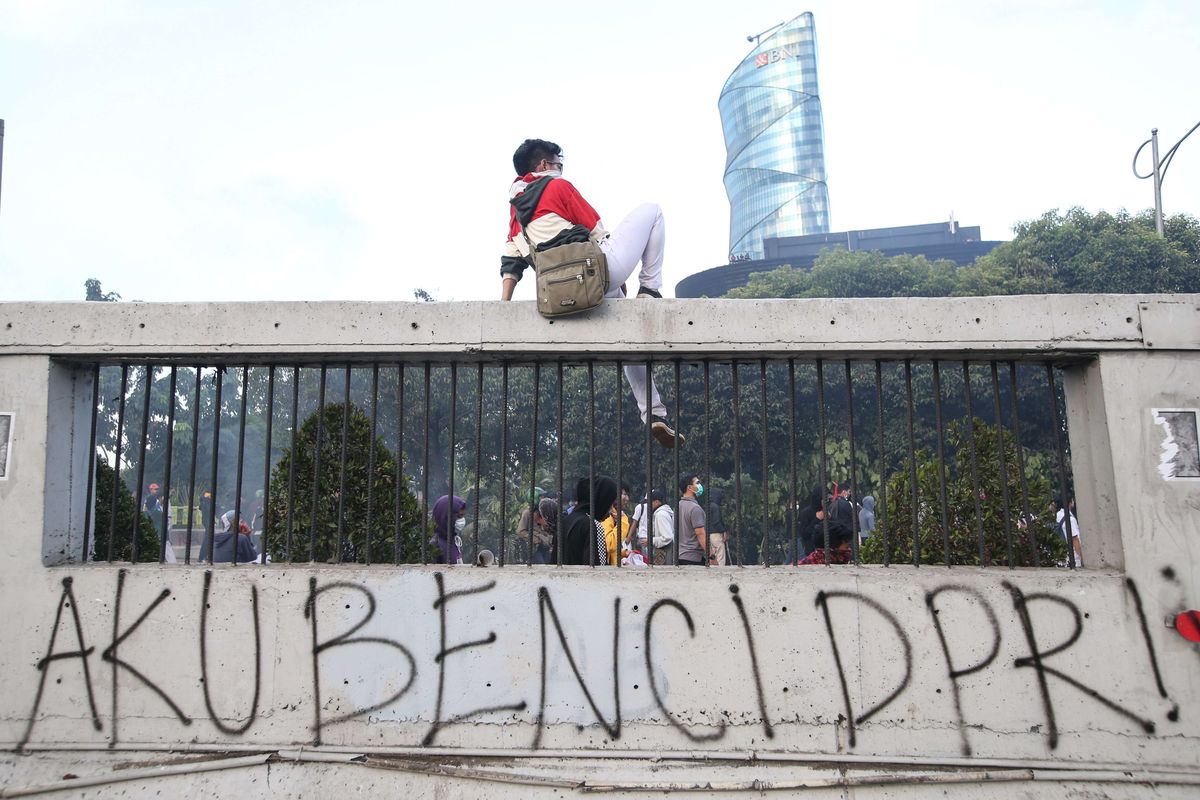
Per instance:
{"type": "Point", "coordinates": [361, 150]}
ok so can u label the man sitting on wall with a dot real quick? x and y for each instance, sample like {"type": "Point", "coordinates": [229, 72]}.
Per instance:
{"type": "Point", "coordinates": [554, 205]}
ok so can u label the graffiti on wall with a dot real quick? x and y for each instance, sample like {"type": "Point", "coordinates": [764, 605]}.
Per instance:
{"type": "Point", "coordinates": [344, 617]}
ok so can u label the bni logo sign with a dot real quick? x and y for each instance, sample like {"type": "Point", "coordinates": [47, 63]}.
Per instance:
{"type": "Point", "coordinates": [776, 54]}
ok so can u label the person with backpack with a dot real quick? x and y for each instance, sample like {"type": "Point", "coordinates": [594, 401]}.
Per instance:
{"type": "Point", "coordinates": [557, 213]}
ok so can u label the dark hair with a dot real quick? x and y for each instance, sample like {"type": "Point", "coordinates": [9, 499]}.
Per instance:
{"type": "Point", "coordinates": [533, 151]}
{"type": "Point", "coordinates": [838, 534]}
{"type": "Point", "coordinates": [685, 480]}
{"type": "Point", "coordinates": [607, 492]}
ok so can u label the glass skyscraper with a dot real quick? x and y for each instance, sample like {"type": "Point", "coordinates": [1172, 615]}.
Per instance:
{"type": "Point", "coordinates": [775, 142]}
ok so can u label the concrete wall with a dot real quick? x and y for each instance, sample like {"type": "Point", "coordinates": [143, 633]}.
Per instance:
{"type": "Point", "coordinates": [518, 681]}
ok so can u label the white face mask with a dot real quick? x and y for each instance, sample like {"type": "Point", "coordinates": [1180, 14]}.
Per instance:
{"type": "Point", "coordinates": [550, 173]}
{"type": "Point", "coordinates": [460, 524]}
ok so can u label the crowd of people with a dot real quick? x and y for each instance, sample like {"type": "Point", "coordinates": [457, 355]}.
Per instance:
{"type": "Point", "coordinates": [612, 529]}
{"type": "Point", "coordinates": [691, 531]}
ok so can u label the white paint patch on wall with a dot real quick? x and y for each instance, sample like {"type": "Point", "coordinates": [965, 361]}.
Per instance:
{"type": "Point", "coordinates": [1180, 457]}
{"type": "Point", "coordinates": [7, 420]}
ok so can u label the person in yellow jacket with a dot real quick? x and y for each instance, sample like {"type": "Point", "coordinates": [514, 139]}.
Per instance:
{"type": "Point", "coordinates": [617, 540]}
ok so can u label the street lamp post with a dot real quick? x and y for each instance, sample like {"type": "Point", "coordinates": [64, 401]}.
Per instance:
{"type": "Point", "coordinates": [1159, 172]}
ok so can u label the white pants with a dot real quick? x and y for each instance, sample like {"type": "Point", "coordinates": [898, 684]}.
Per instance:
{"type": "Point", "coordinates": [640, 237]}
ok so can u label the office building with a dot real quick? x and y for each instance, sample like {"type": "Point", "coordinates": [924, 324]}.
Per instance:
{"type": "Point", "coordinates": [774, 140]}
{"type": "Point", "coordinates": [935, 240]}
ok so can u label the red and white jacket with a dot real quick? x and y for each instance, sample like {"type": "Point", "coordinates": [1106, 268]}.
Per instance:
{"type": "Point", "coordinates": [561, 206]}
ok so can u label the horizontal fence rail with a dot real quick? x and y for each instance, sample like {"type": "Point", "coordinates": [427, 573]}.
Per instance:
{"type": "Point", "coordinates": [802, 461]}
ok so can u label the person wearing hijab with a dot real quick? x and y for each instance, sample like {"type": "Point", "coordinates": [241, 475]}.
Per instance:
{"type": "Point", "coordinates": [449, 519]}
{"type": "Point", "coordinates": [546, 519]}
{"type": "Point", "coordinates": [583, 535]}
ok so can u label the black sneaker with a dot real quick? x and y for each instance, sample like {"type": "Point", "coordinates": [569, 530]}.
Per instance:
{"type": "Point", "coordinates": [646, 291]}
{"type": "Point", "coordinates": [664, 434]}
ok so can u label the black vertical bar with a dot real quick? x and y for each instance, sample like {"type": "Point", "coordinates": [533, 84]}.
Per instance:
{"type": "Point", "coordinates": [792, 510]}
{"type": "Point", "coordinates": [398, 482]}
{"type": "Point", "coordinates": [649, 417]}
{"type": "Point", "coordinates": [266, 520]}
{"type": "Point", "coordinates": [941, 446]}
{"type": "Point", "coordinates": [1008, 531]}
{"type": "Point", "coordinates": [312, 534]}
{"type": "Point", "coordinates": [737, 457]}
{"type": "Point", "coordinates": [1061, 454]}
{"type": "Point", "coordinates": [676, 449]}
{"type": "Point", "coordinates": [504, 463]}
{"type": "Point", "coordinates": [216, 452]}
{"type": "Point", "coordinates": [856, 538]}
{"type": "Point", "coordinates": [237, 487]}
{"type": "Point", "coordinates": [143, 443]}
{"type": "Point", "coordinates": [621, 532]}
{"type": "Point", "coordinates": [450, 462]}
{"type": "Point", "coordinates": [187, 557]}
{"type": "Point", "coordinates": [112, 517]}
{"type": "Point", "coordinates": [881, 515]}
{"type": "Point", "coordinates": [166, 494]}
{"type": "Point", "coordinates": [341, 512]}
{"type": "Point", "coordinates": [708, 473]}
{"type": "Point", "coordinates": [476, 503]}
{"type": "Point", "coordinates": [425, 474]}
{"type": "Point", "coordinates": [558, 397]}
{"type": "Point", "coordinates": [1016, 432]}
{"type": "Point", "coordinates": [316, 464]}
{"type": "Point", "coordinates": [117, 462]}
{"type": "Point", "coordinates": [766, 537]}
{"type": "Point", "coordinates": [291, 501]}
{"type": "Point", "coordinates": [451, 517]}
{"type": "Point", "coordinates": [91, 479]}
{"type": "Point", "coordinates": [533, 440]}
{"type": "Point", "coordinates": [592, 455]}
{"type": "Point", "coordinates": [369, 531]}
{"type": "Point", "coordinates": [912, 461]}
{"type": "Point", "coordinates": [824, 475]}
{"type": "Point", "coordinates": [966, 368]}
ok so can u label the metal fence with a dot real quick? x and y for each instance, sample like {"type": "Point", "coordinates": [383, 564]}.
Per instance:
{"type": "Point", "coordinates": [328, 461]}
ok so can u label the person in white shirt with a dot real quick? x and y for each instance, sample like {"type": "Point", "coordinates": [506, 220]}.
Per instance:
{"type": "Point", "coordinates": [1059, 512]}
{"type": "Point", "coordinates": [664, 527]}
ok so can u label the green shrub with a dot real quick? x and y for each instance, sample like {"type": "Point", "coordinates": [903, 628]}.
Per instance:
{"type": "Point", "coordinates": [149, 541]}
{"type": "Point", "coordinates": [380, 540]}
{"type": "Point", "coordinates": [1035, 535]}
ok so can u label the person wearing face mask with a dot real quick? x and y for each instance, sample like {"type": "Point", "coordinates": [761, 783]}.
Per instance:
{"type": "Point", "coordinates": [693, 550]}
{"type": "Point", "coordinates": [449, 520]}
{"type": "Point", "coordinates": [557, 213]}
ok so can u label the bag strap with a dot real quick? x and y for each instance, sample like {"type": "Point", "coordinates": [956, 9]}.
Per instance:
{"type": "Point", "coordinates": [517, 211]}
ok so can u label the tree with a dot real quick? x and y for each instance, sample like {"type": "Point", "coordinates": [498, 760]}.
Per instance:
{"type": "Point", "coordinates": [370, 525]}
{"type": "Point", "coordinates": [149, 540]}
{"type": "Point", "coordinates": [869, 273]}
{"type": "Point", "coordinates": [94, 292]}
{"type": "Point", "coordinates": [1081, 252]}
{"type": "Point", "coordinates": [1034, 539]}
{"type": "Point", "coordinates": [1054, 254]}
